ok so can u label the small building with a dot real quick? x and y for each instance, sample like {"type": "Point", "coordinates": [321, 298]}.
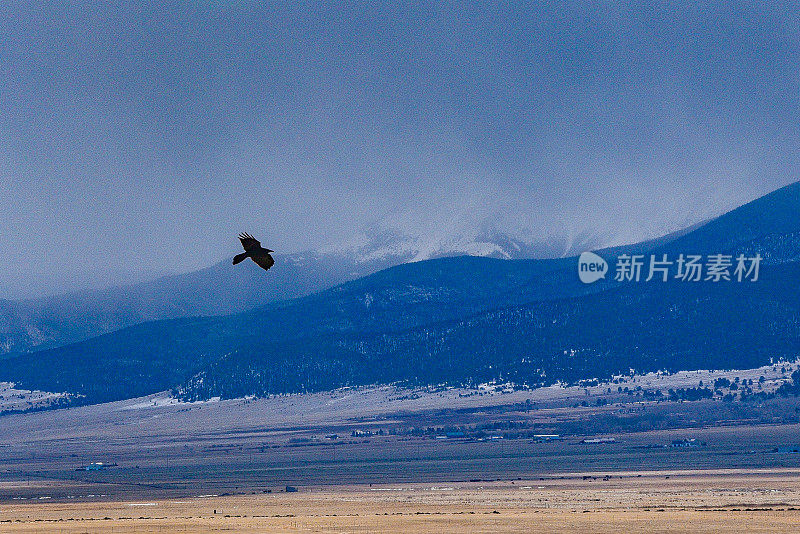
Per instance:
{"type": "Point", "coordinates": [599, 440]}
{"type": "Point", "coordinates": [541, 438]}
{"type": "Point", "coordinates": [97, 466]}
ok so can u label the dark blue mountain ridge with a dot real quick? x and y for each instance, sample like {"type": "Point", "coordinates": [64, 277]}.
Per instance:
{"type": "Point", "coordinates": [459, 320]}
{"type": "Point", "coordinates": [35, 324]}
{"type": "Point", "coordinates": [670, 326]}
{"type": "Point", "coordinates": [41, 323]}
{"type": "Point", "coordinates": [771, 222]}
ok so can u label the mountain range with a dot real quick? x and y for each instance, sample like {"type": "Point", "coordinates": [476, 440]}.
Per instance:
{"type": "Point", "coordinates": [42, 323]}
{"type": "Point", "coordinates": [462, 320]}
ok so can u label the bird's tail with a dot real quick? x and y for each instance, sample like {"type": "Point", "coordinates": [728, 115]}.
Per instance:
{"type": "Point", "coordinates": [239, 258]}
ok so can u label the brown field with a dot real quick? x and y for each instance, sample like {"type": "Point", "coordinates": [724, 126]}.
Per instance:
{"type": "Point", "coordinates": [717, 501]}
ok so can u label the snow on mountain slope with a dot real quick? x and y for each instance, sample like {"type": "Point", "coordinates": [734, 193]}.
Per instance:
{"type": "Point", "coordinates": [399, 240]}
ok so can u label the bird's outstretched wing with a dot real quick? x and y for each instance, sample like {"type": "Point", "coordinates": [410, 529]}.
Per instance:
{"type": "Point", "coordinates": [265, 261]}
{"type": "Point", "coordinates": [248, 241]}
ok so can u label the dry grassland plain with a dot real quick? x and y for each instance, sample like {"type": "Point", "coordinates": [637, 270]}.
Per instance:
{"type": "Point", "coordinates": [721, 501]}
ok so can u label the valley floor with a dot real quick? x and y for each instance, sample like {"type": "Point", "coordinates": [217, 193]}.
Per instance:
{"type": "Point", "coordinates": [685, 501]}
{"type": "Point", "coordinates": [594, 458]}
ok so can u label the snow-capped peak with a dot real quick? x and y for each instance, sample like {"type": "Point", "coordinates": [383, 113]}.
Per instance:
{"type": "Point", "coordinates": [403, 239]}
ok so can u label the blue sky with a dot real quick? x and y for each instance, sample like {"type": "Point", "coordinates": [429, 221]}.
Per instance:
{"type": "Point", "coordinates": [139, 138]}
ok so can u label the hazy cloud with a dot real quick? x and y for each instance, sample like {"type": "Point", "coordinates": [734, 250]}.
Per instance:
{"type": "Point", "coordinates": [141, 138]}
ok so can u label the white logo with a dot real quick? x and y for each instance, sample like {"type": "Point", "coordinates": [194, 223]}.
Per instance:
{"type": "Point", "coordinates": [591, 267]}
{"type": "Point", "coordinates": [686, 268]}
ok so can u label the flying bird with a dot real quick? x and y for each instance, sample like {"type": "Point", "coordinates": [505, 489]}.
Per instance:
{"type": "Point", "coordinates": [254, 251]}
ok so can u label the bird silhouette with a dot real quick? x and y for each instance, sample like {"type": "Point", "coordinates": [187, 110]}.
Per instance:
{"type": "Point", "coordinates": [254, 251]}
